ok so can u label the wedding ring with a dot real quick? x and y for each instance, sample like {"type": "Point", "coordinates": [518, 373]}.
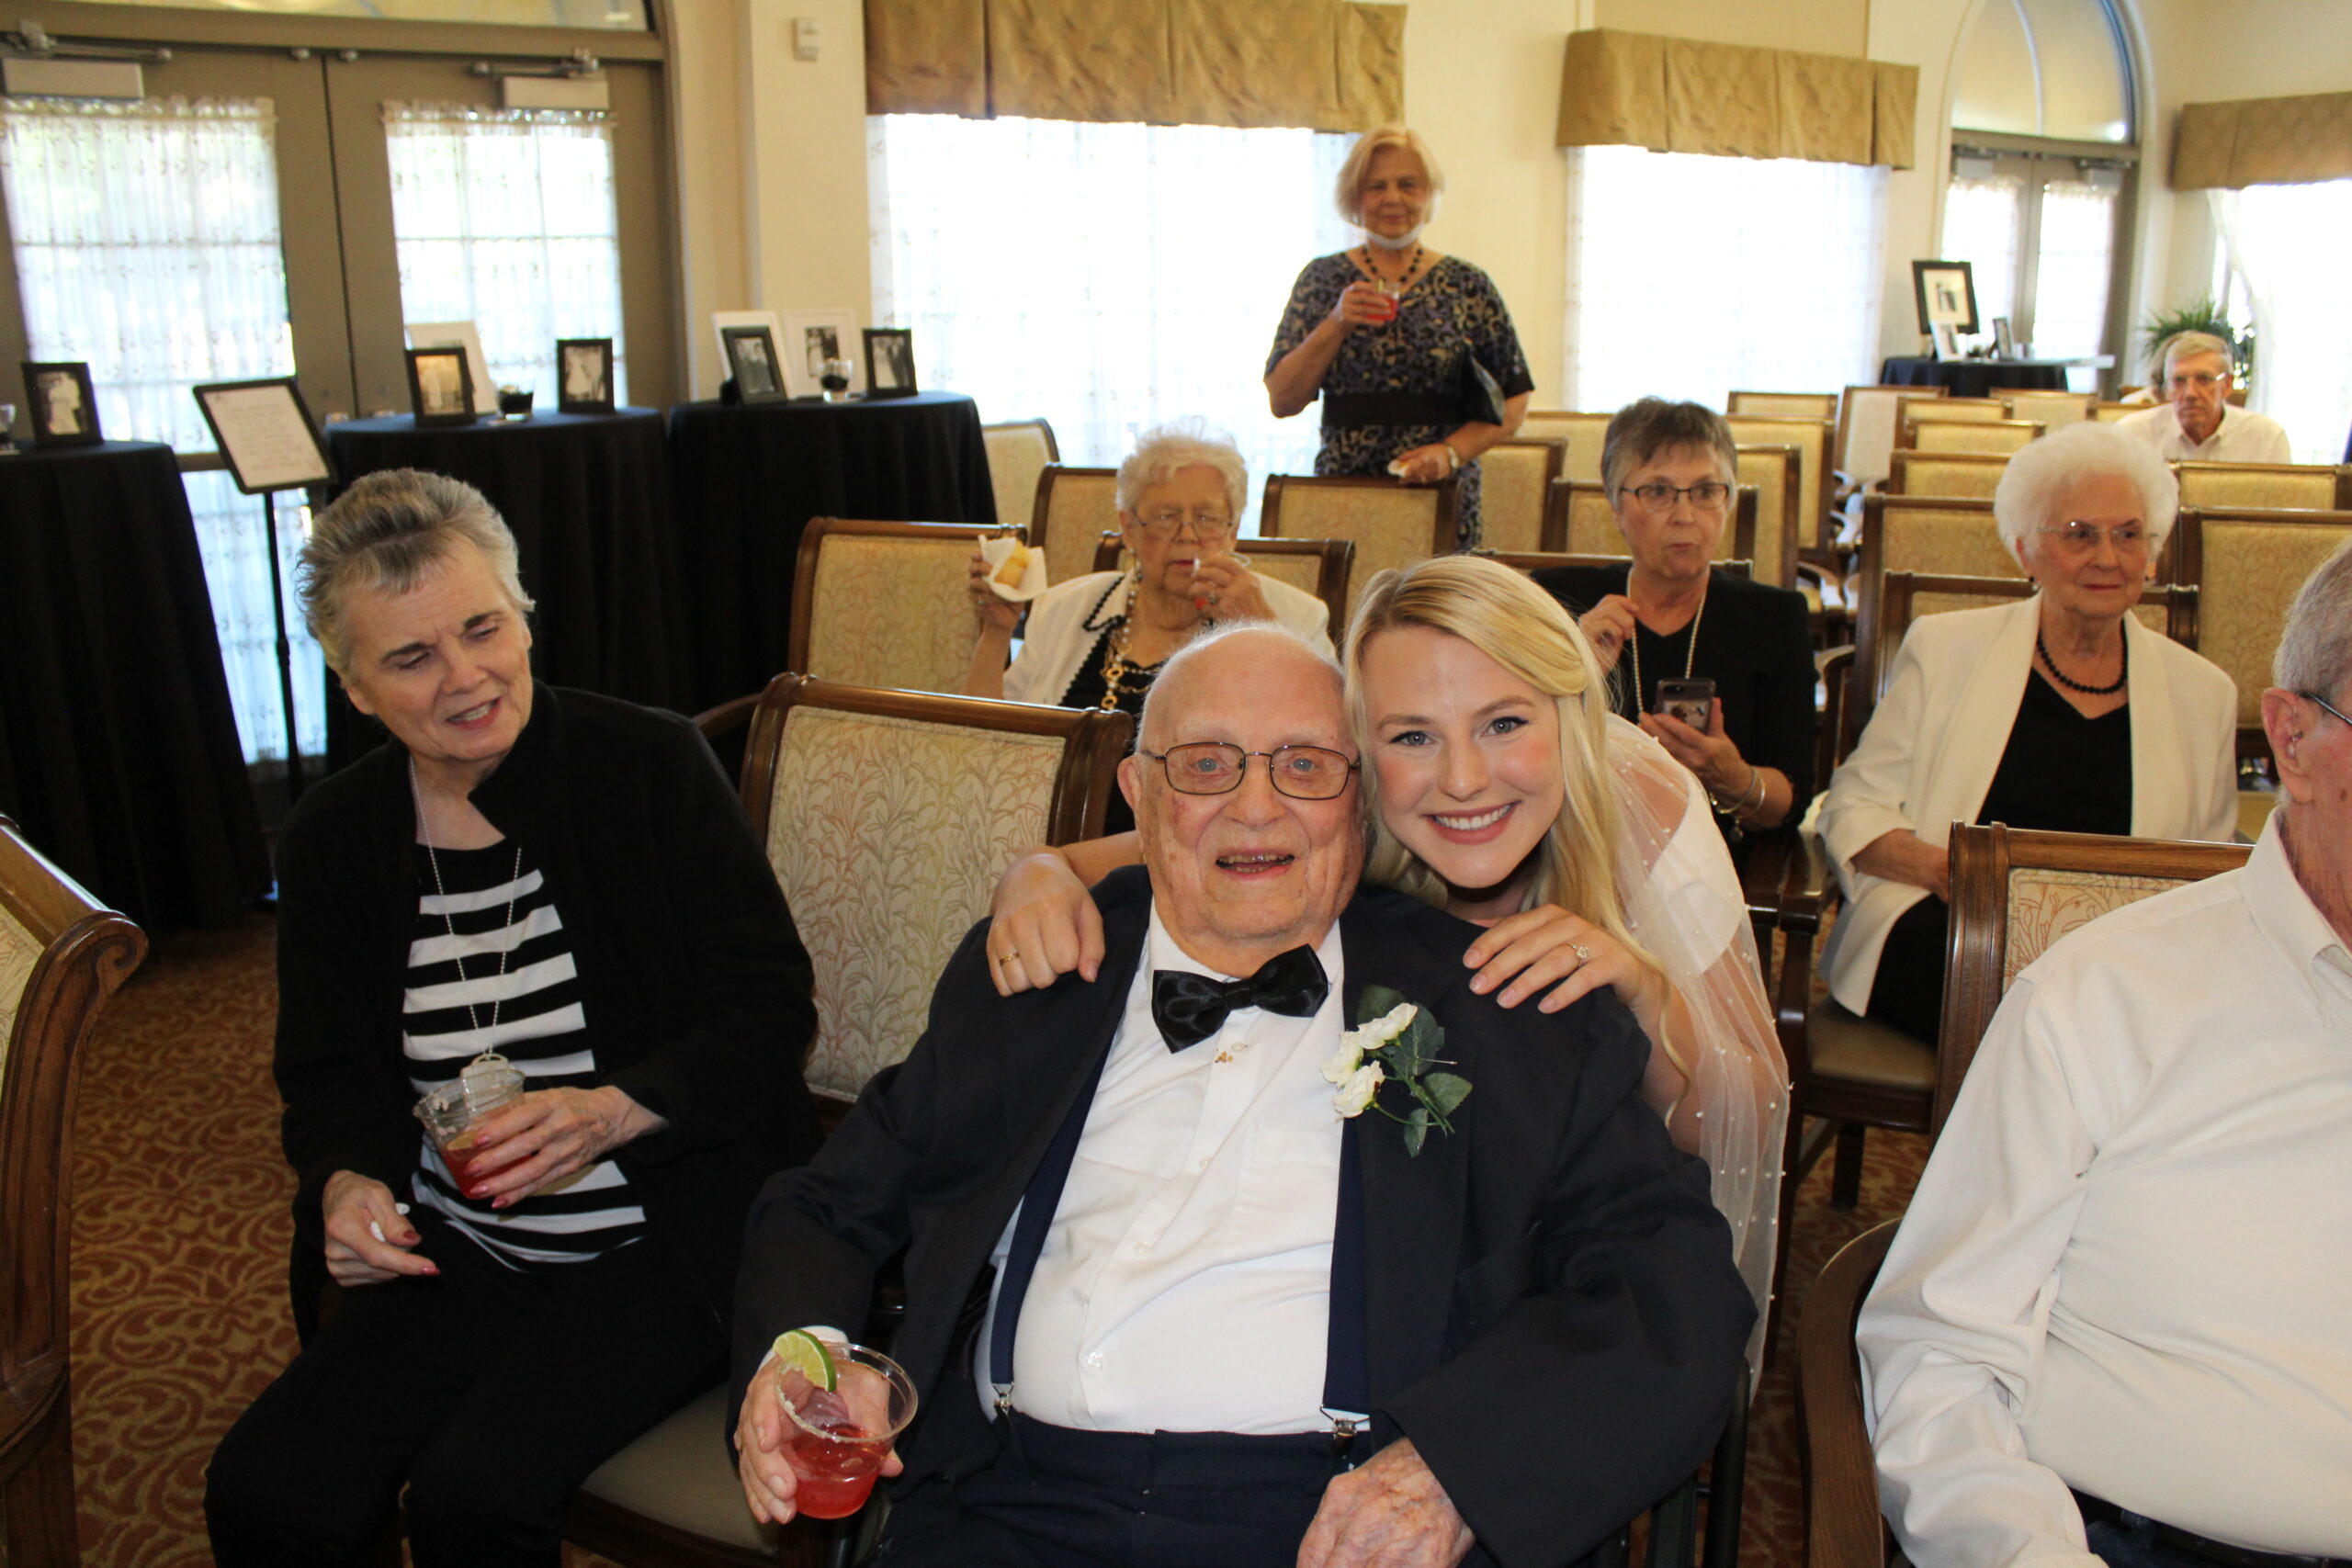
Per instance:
{"type": "Point", "coordinates": [1584, 954]}
{"type": "Point", "coordinates": [1009, 957]}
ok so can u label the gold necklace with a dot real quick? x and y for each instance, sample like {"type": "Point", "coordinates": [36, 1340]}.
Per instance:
{"type": "Point", "coordinates": [1689, 654]}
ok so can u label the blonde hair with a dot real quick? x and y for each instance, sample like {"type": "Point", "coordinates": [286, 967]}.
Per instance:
{"type": "Point", "coordinates": [1504, 615]}
{"type": "Point", "coordinates": [1347, 194]}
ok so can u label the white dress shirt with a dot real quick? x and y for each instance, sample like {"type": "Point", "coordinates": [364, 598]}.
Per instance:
{"type": "Point", "coordinates": [1184, 1285]}
{"type": "Point", "coordinates": [2240, 437]}
{"type": "Point", "coordinates": [2129, 1265]}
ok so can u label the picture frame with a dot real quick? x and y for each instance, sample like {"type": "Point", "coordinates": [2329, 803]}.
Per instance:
{"type": "Point", "coordinates": [2005, 344]}
{"type": "Point", "coordinates": [890, 362]}
{"type": "Point", "coordinates": [1947, 294]}
{"type": "Point", "coordinates": [441, 387]}
{"type": "Point", "coordinates": [459, 334]}
{"type": "Point", "coordinates": [751, 363]}
{"type": "Point", "coordinates": [583, 375]}
{"type": "Point", "coordinates": [810, 337]}
{"type": "Point", "coordinates": [265, 434]}
{"type": "Point", "coordinates": [62, 403]}
{"type": "Point", "coordinates": [1947, 338]}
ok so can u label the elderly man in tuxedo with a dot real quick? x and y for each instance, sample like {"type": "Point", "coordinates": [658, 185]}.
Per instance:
{"type": "Point", "coordinates": [1168, 1302]}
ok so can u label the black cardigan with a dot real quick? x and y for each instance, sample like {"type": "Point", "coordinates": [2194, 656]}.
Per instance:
{"type": "Point", "coordinates": [694, 983]}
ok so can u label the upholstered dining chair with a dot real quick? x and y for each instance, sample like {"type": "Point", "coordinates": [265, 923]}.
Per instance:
{"type": "Point", "coordinates": [1777, 475]}
{"type": "Point", "coordinates": [1973, 474]}
{"type": "Point", "coordinates": [2002, 436]}
{"type": "Point", "coordinates": [1946, 407]}
{"type": "Point", "coordinates": [884, 603]}
{"type": "Point", "coordinates": [1785, 405]}
{"type": "Point", "coordinates": [2045, 407]}
{"type": "Point", "coordinates": [1018, 452]}
{"type": "Point", "coordinates": [1811, 437]}
{"type": "Point", "coordinates": [1320, 567]}
{"type": "Point", "coordinates": [1389, 524]}
{"type": "Point", "coordinates": [1073, 507]}
{"type": "Point", "coordinates": [1579, 522]}
{"type": "Point", "coordinates": [2249, 564]}
{"type": "Point", "coordinates": [1515, 482]}
{"type": "Point", "coordinates": [2106, 412]}
{"type": "Point", "coordinates": [62, 956]}
{"type": "Point", "coordinates": [1583, 432]}
{"type": "Point", "coordinates": [1869, 425]}
{"type": "Point", "coordinates": [2298, 487]}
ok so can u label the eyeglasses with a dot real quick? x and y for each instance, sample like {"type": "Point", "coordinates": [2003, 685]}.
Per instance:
{"type": "Point", "coordinates": [1214, 767]}
{"type": "Point", "coordinates": [2203, 379]}
{"type": "Point", "coordinates": [2328, 705]}
{"type": "Point", "coordinates": [1707, 495]}
{"type": "Point", "coordinates": [1164, 521]}
{"type": "Point", "coordinates": [2082, 538]}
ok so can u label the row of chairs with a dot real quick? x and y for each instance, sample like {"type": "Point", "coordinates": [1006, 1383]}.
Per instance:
{"type": "Point", "coordinates": [2325, 487]}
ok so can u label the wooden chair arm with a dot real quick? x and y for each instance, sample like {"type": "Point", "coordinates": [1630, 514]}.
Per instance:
{"type": "Point", "coordinates": [1843, 1528]}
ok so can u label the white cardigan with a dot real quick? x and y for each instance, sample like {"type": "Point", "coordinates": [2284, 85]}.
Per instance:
{"type": "Point", "coordinates": [1928, 755]}
{"type": "Point", "coordinates": [1069, 616]}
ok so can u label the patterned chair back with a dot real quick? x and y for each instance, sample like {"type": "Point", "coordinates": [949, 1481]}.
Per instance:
{"type": "Point", "coordinates": [1869, 420]}
{"type": "Point", "coordinates": [1973, 474]}
{"type": "Point", "coordinates": [2015, 893]}
{"type": "Point", "coordinates": [884, 603]}
{"type": "Point", "coordinates": [1915, 407]}
{"type": "Point", "coordinates": [2048, 409]}
{"type": "Point", "coordinates": [888, 817]}
{"type": "Point", "coordinates": [2298, 487]}
{"type": "Point", "coordinates": [1320, 567]}
{"type": "Point", "coordinates": [1778, 473]}
{"type": "Point", "coordinates": [1389, 524]}
{"type": "Point", "coordinates": [1018, 452]}
{"type": "Point", "coordinates": [1810, 438]}
{"type": "Point", "coordinates": [2001, 435]}
{"type": "Point", "coordinates": [1788, 405]}
{"type": "Point", "coordinates": [1074, 506]}
{"type": "Point", "coordinates": [1581, 522]}
{"type": "Point", "coordinates": [1584, 434]}
{"type": "Point", "coordinates": [2249, 565]}
{"type": "Point", "coordinates": [1515, 482]}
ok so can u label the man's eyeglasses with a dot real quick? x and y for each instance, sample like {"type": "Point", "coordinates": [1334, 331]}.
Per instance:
{"type": "Point", "coordinates": [1707, 495]}
{"type": "Point", "coordinates": [2328, 705]}
{"type": "Point", "coordinates": [2128, 538]}
{"type": "Point", "coordinates": [2203, 380]}
{"type": "Point", "coordinates": [1164, 521]}
{"type": "Point", "coordinates": [1214, 767]}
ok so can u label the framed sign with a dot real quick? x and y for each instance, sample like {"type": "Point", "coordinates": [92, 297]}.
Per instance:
{"type": "Point", "coordinates": [583, 375]}
{"type": "Point", "coordinates": [750, 360]}
{"type": "Point", "coordinates": [458, 334]}
{"type": "Point", "coordinates": [812, 339]}
{"type": "Point", "coordinates": [440, 386]}
{"type": "Point", "coordinates": [265, 432]}
{"type": "Point", "coordinates": [1947, 292]}
{"type": "Point", "coordinates": [890, 362]}
{"type": "Point", "coordinates": [64, 405]}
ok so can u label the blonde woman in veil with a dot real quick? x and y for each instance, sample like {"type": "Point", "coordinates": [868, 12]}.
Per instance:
{"type": "Point", "coordinates": [1500, 788]}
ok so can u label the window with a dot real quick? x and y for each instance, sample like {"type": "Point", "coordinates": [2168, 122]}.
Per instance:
{"type": "Point", "coordinates": [1674, 259]}
{"type": "Point", "coordinates": [2285, 248]}
{"type": "Point", "coordinates": [1107, 277]}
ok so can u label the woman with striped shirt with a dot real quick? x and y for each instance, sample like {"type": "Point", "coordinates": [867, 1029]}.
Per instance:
{"type": "Point", "coordinates": [566, 880]}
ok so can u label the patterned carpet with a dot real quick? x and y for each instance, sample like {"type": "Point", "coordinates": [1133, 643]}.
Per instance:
{"type": "Point", "coordinates": [180, 1234]}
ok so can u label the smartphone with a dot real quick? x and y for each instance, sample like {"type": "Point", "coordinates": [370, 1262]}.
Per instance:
{"type": "Point", "coordinates": [1692, 701]}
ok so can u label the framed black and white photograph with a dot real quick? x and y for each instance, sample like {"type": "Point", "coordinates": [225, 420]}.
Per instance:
{"type": "Point", "coordinates": [583, 375]}
{"type": "Point", "coordinates": [750, 360]}
{"type": "Point", "coordinates": [1947, 292]}
{"type": "Point", "coordinates": [459, 334]}
{"type": "Point", "coordinates": [2005, 345]}
{"type": "Point", "coordinates": [440, 386]}
{"type": "Point", "coordinates": [64, 405]}
{"type": "Point", "coordinates": [1947, 338]}
{"type": "Point", "coordinates": [265, 432]}
{"type": "Point", "coordinates": [890, 362]}
{"type": "Point", "coordinates": [814, 340]}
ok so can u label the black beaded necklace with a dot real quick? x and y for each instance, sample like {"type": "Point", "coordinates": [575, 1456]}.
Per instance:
{"type": "Point", "coordinates": [1403, 283]}
{"type": "Point", "coordinates": [2123, 675]}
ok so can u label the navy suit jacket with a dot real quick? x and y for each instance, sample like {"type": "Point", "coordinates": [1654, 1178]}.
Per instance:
{"type": "Point", "coordinates": [1553, 1313]}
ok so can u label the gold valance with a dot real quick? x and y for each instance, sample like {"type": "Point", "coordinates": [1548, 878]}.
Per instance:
{"type": "Point", "coordinates": [1326, 64]}
{"type": "Point", "coordinates": [2263, 141]}
{"type": "Point", "coordinates": [1674, 95]}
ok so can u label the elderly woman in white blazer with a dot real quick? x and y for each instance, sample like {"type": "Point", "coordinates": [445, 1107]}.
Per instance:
{"type": "Point", "coordinates": [2059, 711]}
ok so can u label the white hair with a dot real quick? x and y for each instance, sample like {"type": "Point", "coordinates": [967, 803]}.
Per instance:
{"type": "Point", "coordinates": [2038, 478]}
{"type": "Point", "coordinates": [2315, 646]}
{"type": "Point", "coordinates": [2180, 345]}
{"type": "Point", "coordinates": [1166, 450]}
{"type": "Point", "coordinates": [1173, 668]}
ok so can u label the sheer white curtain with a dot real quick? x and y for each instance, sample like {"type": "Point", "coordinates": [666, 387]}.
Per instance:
{"type": "Point", "coordinates": [1691, 277]}
{"type": "Point", "coordinates": [2074, 269]}
{"type": "Point", "coordinates": [2288, 245]}
{"type": "Point", "coordinates": [146, 241]}
{"type": "Point", "coordinates": [1107, 277]}
{"type": "Point", "coordinates": [1980, 223]}
{"type": "Point", "coordinates": [505, 218]}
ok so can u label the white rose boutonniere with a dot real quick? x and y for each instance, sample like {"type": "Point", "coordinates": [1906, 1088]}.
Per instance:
{"type": "Point", "coordinates": [1396, 1043]}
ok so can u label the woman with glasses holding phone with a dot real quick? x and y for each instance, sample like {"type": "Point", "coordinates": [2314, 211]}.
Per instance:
{"type": "Point", "coordinates": [1097, 641]}
{"type": "Point", "coordinates": [1718, 668]}
{"type": "Point", "coordinates": [2062, 711]}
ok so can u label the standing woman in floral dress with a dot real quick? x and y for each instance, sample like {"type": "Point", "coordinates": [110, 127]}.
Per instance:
{"type": "Point", "coordinates": [1384, 332]}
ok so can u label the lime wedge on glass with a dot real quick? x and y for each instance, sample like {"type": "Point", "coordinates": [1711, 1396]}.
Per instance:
{"type": "Point", "coordinates": [797, 1351]}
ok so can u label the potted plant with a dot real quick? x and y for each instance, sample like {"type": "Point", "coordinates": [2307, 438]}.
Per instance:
{"type": "Point", "coordinates": [2202, 314]}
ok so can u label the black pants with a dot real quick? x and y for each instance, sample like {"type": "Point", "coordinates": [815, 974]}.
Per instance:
{"type": "Point", "coordinates": [492, 1394]}
{"type": "Point", "coordinates": [1057, 1498]}
{"type": "Point", "coordinates": [1908, 990]}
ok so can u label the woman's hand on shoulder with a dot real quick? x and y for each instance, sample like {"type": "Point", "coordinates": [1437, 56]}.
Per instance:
{"type": "Point", "coordinates": [369, 1235]}
{"type": "Point", "coordinates": [1042, 924]}
{"type": "Point", "coordinates": [994, 612]}
{"type": "Point", "coordinates": [1523, 954]}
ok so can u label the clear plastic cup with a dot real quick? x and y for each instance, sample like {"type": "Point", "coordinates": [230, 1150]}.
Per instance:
{"type": "Point", "coordinates": [835, 1440]}
{"type": "Point", "coordinates": [450, 1112]}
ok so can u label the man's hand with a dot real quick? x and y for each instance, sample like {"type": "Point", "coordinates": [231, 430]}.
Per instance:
{"type": "Point", "coordinates": [368, 1236]}
{"type": "Point", "coordinates": [1388, 1512]}
{"type": "Point", "coordinates": [770, 1486]}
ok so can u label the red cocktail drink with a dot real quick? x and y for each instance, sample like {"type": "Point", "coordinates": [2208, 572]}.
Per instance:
{"type": "Point", "coordinates": [836, 1469]}
{"type": "Point", "coordinates": [453, 1113]}
{"type": "Point", "coordinates": [835, 1440]}
{"type": "Point", "coordinates": [460, 1157]}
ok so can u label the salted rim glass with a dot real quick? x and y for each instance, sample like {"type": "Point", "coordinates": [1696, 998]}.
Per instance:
{"type": "Point", "coordinates": [1321, 767]}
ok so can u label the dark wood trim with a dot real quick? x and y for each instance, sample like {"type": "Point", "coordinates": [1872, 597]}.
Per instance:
{"type": "Point", "coordinates": [1843, 1525]}
{"type": "Point", "coordinates": [1336, 557]}
{"type": "Point", "coordinates": [812, 545]}
{"type": "Point", "coordinates": [1045, 479]}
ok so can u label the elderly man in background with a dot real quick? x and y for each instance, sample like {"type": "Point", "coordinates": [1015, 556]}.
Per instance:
{"type": "Point", "coordinates": [2113, 1327]}
{"type": "Point", "coordinates": [2196, 421]}
{"type": "Point", "coordinates": [1158, 1275]}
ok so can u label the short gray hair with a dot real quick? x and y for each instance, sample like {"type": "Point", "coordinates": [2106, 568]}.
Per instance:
{"type": "Point", "coordinates": [2043, 470]}
{"type": "Point", "coordinates": [2315, 647]}
{"type": "Point", "coordinates": [1643, 429]}
{"type": "Point", "coordinates": [1162, 452]}
{"type": "Point", "coordinates": [1347, 192]}
{"type": "Point", "coordinates": [1219, 633]}
{"type": "Point", "coordinates": [382, 534]}
{"type": "Point", "coordinates": [2180, 345]}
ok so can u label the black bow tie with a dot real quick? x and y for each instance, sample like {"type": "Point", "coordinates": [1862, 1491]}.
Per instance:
{"type": "Point", "coordinates": [1189, 1008]}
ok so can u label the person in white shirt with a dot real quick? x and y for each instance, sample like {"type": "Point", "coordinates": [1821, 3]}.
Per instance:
{"type": "Point", "coordinates": [1166, 1291]}
{"type": "Point", "coordinates": [2113, 1327]}
{"type": "Point", "coordinates": [2198, 423]}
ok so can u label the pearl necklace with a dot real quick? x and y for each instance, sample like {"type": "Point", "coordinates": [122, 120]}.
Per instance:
{"type": "Point", "coordinates": [513, 892]}
{"type": "Point", "coordinates": [1689, 654]}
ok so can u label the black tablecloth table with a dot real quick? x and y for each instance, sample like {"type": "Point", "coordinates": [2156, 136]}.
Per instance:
{"type": "Point", "coordinates": [588, 498]}
{"type": "Point", "coordinates": [119, 751]}
{"type": "Point", "coordinates": [749, 477]}
{"type": "Point", "coordinates": [1974, 378]}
